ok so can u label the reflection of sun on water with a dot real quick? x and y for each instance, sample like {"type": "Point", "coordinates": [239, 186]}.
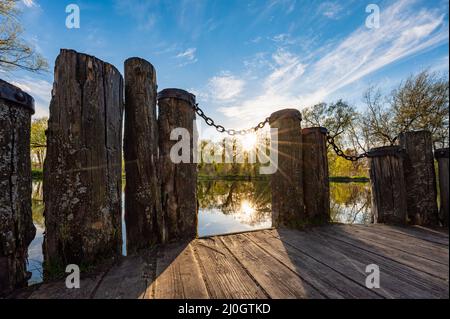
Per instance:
{"type": "Point", "coordinates": [247, 210]}
{"type": "Point", "coordinates": [248, 142]}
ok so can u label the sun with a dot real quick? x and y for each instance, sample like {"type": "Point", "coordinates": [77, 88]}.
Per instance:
{"type": "Point", "coordinates": [248, 142]}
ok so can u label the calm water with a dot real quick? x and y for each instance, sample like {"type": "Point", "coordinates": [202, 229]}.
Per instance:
{"type": "Point", "coordinates": [227, 207]}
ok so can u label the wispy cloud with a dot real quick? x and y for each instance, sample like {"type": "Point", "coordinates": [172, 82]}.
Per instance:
{"type": "Point", "coordinates": [225, 87]}
{"type": "Point", "coordinates": [330, 10]}
{"type": "Point", "coordinates": [187, 56]}
{"type": "Point", "coordinates": [40, 90]}
{"type": "Point", "coordinates": [29, 3]}
{"type": "Point", "coordinates": [405, 30]}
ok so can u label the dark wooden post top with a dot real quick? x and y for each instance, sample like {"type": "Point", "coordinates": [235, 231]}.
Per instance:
{"type": "Point", "coordinates": [14, 94]}
{"type": "Point", "coordinates": [309, 130]}
{"type": "Point", "coordinates": [177, 94]}
{"type": "Point", "coordinates": [285, 114]}
{"type": "Point", "coordinates": [386, 151]}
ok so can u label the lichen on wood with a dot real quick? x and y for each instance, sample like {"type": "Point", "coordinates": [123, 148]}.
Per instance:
{"type": "Point", "coordinates": [82, 170]}
{"type": "Point", "coordinates": [16, 224]}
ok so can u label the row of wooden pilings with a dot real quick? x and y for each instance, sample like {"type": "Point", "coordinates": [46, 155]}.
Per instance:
{"type": "Point", "coordinates": [83, 169]}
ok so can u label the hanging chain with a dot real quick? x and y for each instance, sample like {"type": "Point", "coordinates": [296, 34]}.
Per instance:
{"type": "Point", "coordinates": [210, 122]}
{"type": "Point", "coordinates": [339, 152]}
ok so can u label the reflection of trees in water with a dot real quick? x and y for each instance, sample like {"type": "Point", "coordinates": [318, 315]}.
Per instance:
{"type": "Point", "coordinates": [37, 203]}
{"type": "Point", "coordinates": [350, 203]}
{"type": "Point", "coordinates": [250, 198]}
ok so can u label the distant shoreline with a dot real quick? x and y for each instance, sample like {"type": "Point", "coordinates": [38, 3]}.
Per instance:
{"type": "Point", "coordinates": [38, 175]}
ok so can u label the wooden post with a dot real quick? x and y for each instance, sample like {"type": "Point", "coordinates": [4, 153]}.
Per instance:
{"type": "Point", "coordinates": [420, 177]}
{"type": "Point", "coordinates": [179, 179]}
{"type": "Point", "coordinates": [16, 223]}
{"type": "Point", "coordinates": [316, 183]}
{"type": "Point", "coordinates": [442, 158]}
{"type": "Point", "coordinates": [388, 187]}
{"type": "Point", "coordinates": [287, 183]}
{"type": "Point", "coordinates": [143, 186]}
{"type": "Point", "coordinates": [82, 170]}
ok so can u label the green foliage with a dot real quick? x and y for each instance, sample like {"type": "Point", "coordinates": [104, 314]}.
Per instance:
{"type": "Point", "coordinates": [38, 141]}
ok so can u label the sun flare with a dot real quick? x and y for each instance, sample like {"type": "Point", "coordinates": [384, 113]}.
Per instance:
{"type": "Point", "coordinates": [248, 142]}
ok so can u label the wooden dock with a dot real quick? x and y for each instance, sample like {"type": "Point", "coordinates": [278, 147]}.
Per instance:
{"type": "Point", "coordinates": [324, 262]}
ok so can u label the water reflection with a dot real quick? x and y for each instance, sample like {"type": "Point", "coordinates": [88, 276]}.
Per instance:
{"type": "Point", "coordinates": [226, 207]}
{"type": "Point", "coordinates": [232, 206]}
{"type": "Point", "coordinates": [350, 203]}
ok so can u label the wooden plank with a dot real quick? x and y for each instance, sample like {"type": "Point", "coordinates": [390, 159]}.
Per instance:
{"type": "Point", "coordinates": [224, 276]}
{"type": "Point", "coordinates": [58, 290]}
{"type": "Point", "coordinates": [418, 232]}
{"type": "Point", "coordinates": [275, 278]}
{"type": "Point", "coordinates": [412, 246]}
{"type": "Point", "coordinates": [430, 267]}
{"type": "Point", "coordinates": [326, 279]}
{"type": "Point", "coordinates": [178, 275]}
{"type": "Point", "coordinates": [125, 280]}
{"type": "Point", "coordinates": [398, 281]}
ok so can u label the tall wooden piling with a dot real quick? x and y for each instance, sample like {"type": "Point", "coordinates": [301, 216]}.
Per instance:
{"type": "Point", "coordinates": [178, 175]}
{"type": "Point", "coordinates": [16, 223]}
{"type": "Point", "coordinates": [82, 170]}
{"type": "Point", "coordinates": [441, 156]}
{"type": "Point", "coordinates": [420, 177]}
{"type": "Point", "coordinates": [143, 187]}
{"type": "Point", "coordinates": [388, 186]}
{"type": "Point", "coordinates": [315, 175]}
{"type": "Point", "coordinates": [287, 182]}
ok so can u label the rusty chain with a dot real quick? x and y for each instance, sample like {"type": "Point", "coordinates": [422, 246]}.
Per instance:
{"type": "Point", "coordinates": [339, 152]}
{"type": "Point", "coordinates": [221, 129]}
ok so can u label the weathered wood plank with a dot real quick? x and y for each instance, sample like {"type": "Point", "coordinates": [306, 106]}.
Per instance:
{"type": "Point", "coordinates": [418, 263]}
{"type": "Point", "coordinates": [416, 247]}
{"type": "Point", "coordinates": [276, 279]}
{"type": "Point", "coordinates": [16, 222]}
{"type": "Point", "coordinates": [442, 156]}
{"type": "Point", "coordinates": [178, 175]}
{"type": "Point", "coordinates": [398, 281]}
{"type": "Point", "coordinates": [178, 275]}
{"type": "Point", "coordinates": [143, 211]}
{"type": "Point", "coordinates": [323, 277]}
{"type": "Point", "coordinates": [224, 276]}
{"type": "Point", "coordinates": [287, 181]}
{"type": "Point", "coordinates": [387, 184]}
{"type": "Point", "coordinates": [125, 280]}
{"type": "Point", "coordinates": [58, 290]}
{"type": "Point", "coordinates": [83, 165]}
{"type": "Point", "coordinates": [418, 232]}
{"type": "Point", "coordinates": [420, 177]}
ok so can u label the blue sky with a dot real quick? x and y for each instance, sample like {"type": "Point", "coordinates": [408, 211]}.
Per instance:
{"type": "Point", "coordinates": [246, 59]}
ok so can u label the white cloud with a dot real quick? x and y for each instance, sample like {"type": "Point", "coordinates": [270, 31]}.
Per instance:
{"type": "Point", "coordinates": [330, 10]}
{"type": "Point", "coordinates": [29, 3]}
{"type": "Point", "coordinates": [187, 57]}
{"type": "Point", "coordinates": [188, 54]}
{"type": "Point", "coordinates": [405, 30]}
{"type": "Point", "coordinates": [225, 87]}
{"type": "Point", "coordinates": [40, 90]}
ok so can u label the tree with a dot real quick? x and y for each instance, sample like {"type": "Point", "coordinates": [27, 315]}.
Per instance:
{"type": "Point", "coordinates": [15, 52]}
{"type": "Point", "coordinates": [38, 140]}
{"type": "Point", "coordinates": [419, 103]}
{"type": "Point", "coordinates": [336, 117]}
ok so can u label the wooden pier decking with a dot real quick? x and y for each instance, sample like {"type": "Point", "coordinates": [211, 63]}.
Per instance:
{"type": "Point", "coordinates": [324, 262]}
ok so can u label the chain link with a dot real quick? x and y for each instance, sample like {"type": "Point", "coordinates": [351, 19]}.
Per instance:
{"type": "Point", "coordinates": [221, 129]}
{"type": "Point", "coordinates": [339, 152]}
